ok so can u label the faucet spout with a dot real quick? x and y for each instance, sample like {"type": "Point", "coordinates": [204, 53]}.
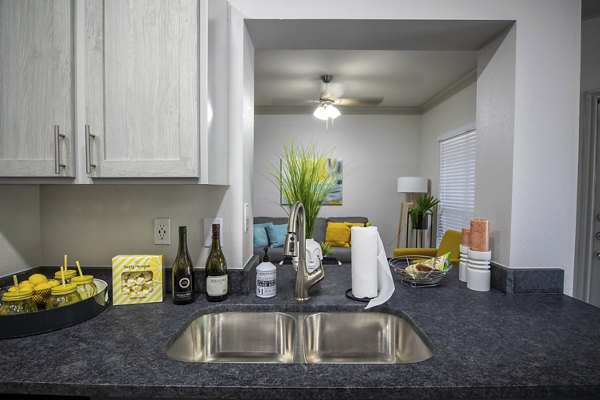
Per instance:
{"type": "Point", "coordinates": [295, 246]}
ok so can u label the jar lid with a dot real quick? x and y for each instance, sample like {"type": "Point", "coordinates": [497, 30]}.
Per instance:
{"type": "Point", "coordinates": [80, 280]}
{"type": "Point", "coordinates": [22, 294]}
{"type": "Point", "coordinates": [64, 289]}
{"type": "Point", "coordinates": [68, 274]}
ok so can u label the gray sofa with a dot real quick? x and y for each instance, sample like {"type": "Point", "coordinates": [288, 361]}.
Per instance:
{"type": "Point", "coordinates": [342, 254]}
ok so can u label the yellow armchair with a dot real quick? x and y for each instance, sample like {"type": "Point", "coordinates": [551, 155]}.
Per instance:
{"type": "Point", "coordinates": [450, 243]}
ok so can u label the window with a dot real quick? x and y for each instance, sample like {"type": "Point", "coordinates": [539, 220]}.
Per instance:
{"type": "Point", "coordinates": [457, 182]}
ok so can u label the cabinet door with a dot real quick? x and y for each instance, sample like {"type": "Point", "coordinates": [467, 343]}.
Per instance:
{"type": "Point", "coordinates": [142, 87]}
{"type": "Point", "coordinates": [36, 88]}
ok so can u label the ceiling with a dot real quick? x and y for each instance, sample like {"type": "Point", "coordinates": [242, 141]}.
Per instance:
{"type": "Point", "coordinates": [412, 64]}
{"type": "Point", "coordinates": [406, 80]}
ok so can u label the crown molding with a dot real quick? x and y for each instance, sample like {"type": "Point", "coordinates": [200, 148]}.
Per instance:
{"type": "Point", "coordinates": [462, 82]}
{"type": "Point", "coordinates": [345, 110]}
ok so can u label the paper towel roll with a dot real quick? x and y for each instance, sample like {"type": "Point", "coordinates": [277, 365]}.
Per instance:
{"type": "Point", "coordinates": [364, 261]}
{"type": "Point", "coordinates": [385, 283]}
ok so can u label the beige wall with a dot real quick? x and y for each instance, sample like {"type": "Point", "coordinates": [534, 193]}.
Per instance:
{"type": "Point", "coordinates": [20, 242]}
{"type": "Point", "coordinates": [93, 223]}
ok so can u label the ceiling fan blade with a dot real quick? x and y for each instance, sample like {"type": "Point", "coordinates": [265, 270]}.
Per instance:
{"type": "Point", "coordinates": [359, 101]}
{"type": "Point", "coordinates": [283, 101]}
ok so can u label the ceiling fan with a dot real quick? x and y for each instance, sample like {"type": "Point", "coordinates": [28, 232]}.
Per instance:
{"type": "Point", "coordinates": [326, 109]}
{"type": "Point", "coordinates": [329, 97]}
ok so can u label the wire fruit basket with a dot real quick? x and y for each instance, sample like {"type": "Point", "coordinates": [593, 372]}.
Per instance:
{"type": "Point", "coordinates": [419, 270]}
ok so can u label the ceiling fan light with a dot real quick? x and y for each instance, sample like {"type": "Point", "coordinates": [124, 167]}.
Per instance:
{"type": "Point", "coordinates": [332, 112]}
{"type": "Point", "coordinates": [321, 113]}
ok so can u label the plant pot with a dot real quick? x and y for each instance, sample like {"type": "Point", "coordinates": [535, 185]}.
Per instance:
{"type": "Point", "coordinates": [314, 255]}
{"type": "Point", "coordinates": [420, 221]}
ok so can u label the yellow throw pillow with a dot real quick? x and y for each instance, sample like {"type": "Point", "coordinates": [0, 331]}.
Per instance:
{"type": "Point", "coordinates": [337, 234]}
{"type": "Point", "coordinates": [351, 224]}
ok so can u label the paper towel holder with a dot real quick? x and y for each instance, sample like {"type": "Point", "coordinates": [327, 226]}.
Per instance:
{"type": "Point", "coordinates": [353, 297]}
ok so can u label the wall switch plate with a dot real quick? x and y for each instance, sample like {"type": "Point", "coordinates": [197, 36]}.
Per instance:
{"type": "Point", "coordinates": [246, 220]}
{"type": "Point", "coordinates": [162, 231]}
{"type": "Point", "coordinates": [208, 222]}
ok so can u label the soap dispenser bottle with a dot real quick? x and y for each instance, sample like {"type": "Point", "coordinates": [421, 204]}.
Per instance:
{"type": "Point", "coordinates": [266, 277]}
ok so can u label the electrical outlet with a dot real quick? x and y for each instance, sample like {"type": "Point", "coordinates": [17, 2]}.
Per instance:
{"type": "Point", "coordinates": [162, 231]}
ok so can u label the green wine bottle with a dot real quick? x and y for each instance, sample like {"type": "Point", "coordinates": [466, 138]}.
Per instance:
{"type": "Point", "coordinates": [217, 279]}
{"type": "Point", "coordinates": [183, 272]}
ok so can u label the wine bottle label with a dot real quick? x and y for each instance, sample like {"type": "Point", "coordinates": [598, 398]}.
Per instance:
{"type": "Point", "coordinates": [182, 295]}
{"type": "Point", "coordinates": [216, 285]}
{"type": "Point", "coordinates": [185, 283]}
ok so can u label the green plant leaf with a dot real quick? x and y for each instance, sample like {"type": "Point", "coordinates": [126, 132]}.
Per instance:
{"type": "Point", "coordinates": [303, 177]}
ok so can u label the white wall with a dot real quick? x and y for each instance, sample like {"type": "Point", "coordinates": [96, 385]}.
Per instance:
{"type": "Point", "coordinates": [20, 243]}
{"type": "Point", "coordinates": [590, 56]}
{"type": "Point", "coordinates": [495, 131]}
{"type": "Point", "coordinates": [455, 115]}
{"type": "Point", "coordinates": [546, 110]}
{"type": "Point", "coordinates": [248, 134]}
{"type": "Point", "coordinates": [546, 136]}
{"type": "Point", "coordinates": [375, 150]}
{"type": "Point", "coordinates": [93, 223]}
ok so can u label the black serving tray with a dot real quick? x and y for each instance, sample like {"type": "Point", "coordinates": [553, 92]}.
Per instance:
{"type": "Point", "coordinates": [12, 326]}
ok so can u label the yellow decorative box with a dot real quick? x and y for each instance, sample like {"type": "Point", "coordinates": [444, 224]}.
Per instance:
{"type": "Point", "coordinates": [137, 279]}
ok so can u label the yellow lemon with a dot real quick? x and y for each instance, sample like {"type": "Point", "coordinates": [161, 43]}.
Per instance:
{"type": "Point", "coordinates": [25, 284]}
{"type": "Point", "coordinates": [36, 279]}
{"type": "Point", "coordinates": [53, 282]}
{"type": "Point", "coordinates": [12, 289]}
{"type": "Point", "coordinates": [43, 285]}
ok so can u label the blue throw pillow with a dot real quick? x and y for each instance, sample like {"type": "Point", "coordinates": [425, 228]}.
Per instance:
{"type": "Point", "coordinates": [277, 234]}
{"type": "Point", "coordinates": [260, 234]}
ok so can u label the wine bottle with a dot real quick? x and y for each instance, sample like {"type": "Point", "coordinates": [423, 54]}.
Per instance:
{"type": "Point", "coordinates": [216, 269]}
{"type": "Point", "coordinates": [183, 272]}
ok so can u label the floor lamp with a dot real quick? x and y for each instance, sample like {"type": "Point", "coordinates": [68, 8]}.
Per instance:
{"type": "Point", "coordinates": [409, 184]}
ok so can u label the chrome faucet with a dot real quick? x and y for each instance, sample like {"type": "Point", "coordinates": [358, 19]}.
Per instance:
{"type": "Point", "coordinates": [295, 246]}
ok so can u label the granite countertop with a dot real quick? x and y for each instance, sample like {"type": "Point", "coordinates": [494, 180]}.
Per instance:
{"type": "Point", "coordinates": [485, 345]}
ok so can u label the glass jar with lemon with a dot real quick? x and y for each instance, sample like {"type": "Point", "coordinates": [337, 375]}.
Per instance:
{"type": "Point", "coordinates": [17, 302]}
{"type": "Point", "coordinates": [63, 295]}
{"type": "Point", "coordinates": [85, 286]}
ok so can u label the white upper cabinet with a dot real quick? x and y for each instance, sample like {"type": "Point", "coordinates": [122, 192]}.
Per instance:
{"type": "Point", "coordinates": [36, 88]}
{"type": "Point", "coordinates": [142, 88]}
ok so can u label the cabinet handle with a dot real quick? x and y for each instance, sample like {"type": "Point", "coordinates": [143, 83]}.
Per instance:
{"type": "Point", "coordinates": [57, 136]}
{"type": "Point", "coordinates": [88, 150]}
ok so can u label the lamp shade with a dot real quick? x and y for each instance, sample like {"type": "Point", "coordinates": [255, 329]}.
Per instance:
{"type": "Point", "coordinates": [333, 112]}
{"type": "Point", "coordinates": [325, 111]}
{"type": "Point", "coordinates": [321, 113]}
{"type": "Point", "coordinates": [412, 184]}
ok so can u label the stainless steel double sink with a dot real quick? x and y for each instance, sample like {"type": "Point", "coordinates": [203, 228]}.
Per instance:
{"type": "Point", "coordinates": [294, 337]}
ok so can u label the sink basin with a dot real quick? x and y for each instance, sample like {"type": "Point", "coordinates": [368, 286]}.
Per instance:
{"type": "Point", "coordinates": [293, 337]}
{"type": "Point", "coordinates": [361, 338]}
{"type": "Point", "coordinates": [261, 337]}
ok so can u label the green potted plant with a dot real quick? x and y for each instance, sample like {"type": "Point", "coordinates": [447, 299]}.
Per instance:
{"type": "Point", "coordinates": [303, 177]}
{"type": "Point", "coordinates": [420, 211]}
{"type": "Point", "coordinates": [325, 248]}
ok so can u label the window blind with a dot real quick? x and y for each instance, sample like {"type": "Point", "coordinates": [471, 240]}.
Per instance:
{"type": "Point", "coordinates": [457, 182]}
